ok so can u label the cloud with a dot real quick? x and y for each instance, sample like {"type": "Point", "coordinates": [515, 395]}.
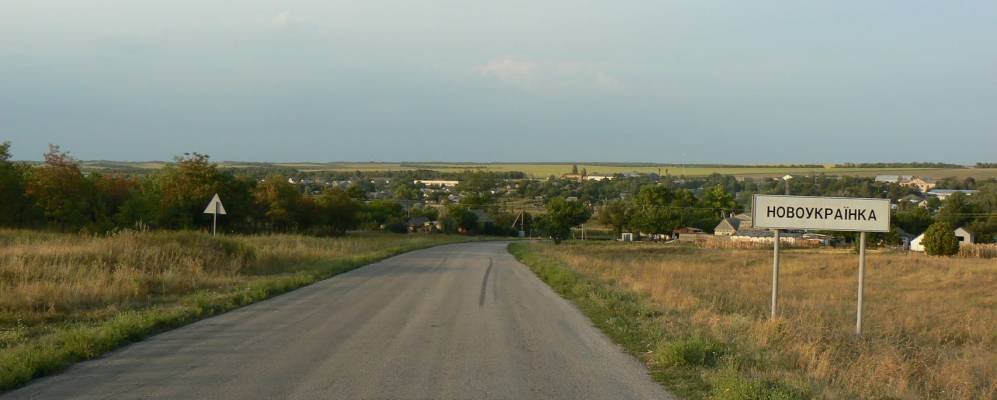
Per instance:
{"type": "Point", "coordinates": [282, 18]}
{"type": "Point", "coordinates": [527, 74]}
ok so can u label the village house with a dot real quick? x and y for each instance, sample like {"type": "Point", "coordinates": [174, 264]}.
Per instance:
{"type": "Point", "coordinates": [943, 194]}
{"type": "Point", "coordinates": [923, 184]}
{"type": "Point", "coordinates": [688, 234]}
{"type": "Point", "coordinates": [893, 178]}
{"type": "Point", "coordinates": [420, 224]}
{"type": "Point", "coordinates": [730, 226]}
{"type": "Point", "coordinates": [436, 182]}
{"type": "Point", "coordinates": [962, 234]}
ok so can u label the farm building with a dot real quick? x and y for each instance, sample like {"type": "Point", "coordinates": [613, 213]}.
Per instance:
{"type": "Point", "coordinates": [923, 184]}
{"type": "Point", "coordinates": [688, 234]}
{"type": "Point", "coordinates": [420, 224]}
{"type": "Point", "coordinates": [943, 194]}
{"type": "Point", "coordinates": [439, 183]}
{"type": "Point", "coordinates": [730, 226]}
{"type": "Point", "coordinates": [964, 236]}
{"type": "Point", "coordinates": [893, 178]}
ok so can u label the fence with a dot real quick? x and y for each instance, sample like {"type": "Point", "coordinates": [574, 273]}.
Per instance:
{"type": "Point", "coordinates": [978, 250]}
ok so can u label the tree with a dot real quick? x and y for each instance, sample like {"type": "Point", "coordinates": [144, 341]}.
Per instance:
{"type": "Point", "coordinates": [940, 240]}
{"type": "Point", "coordinates": [562, 215]}
{"type": "Point", "coordinates": [463, 220]}
{"type": "Point", "coordinates": [956, 209]}
{"type": "Point", "coordinates": [60, 190]}
{"type": "Point", "coordinates": [574, 169]}
{"type": "Point", "coordinates": [913, 219]}
{"type": "Point", "coordinates": [380, 212]}
{"type": "Point", "coordinates": [476, 187]}
{"type": "Point", "coordinates": [279, 202]}
{"type": "Point", "coordinates": [16, 208]}
{"type": "Point", "coordinates": [720, 201]}
{"type": "Point", "coordinates": [338, 211]}
{"type": "Point", "coordinates": [616, 214]}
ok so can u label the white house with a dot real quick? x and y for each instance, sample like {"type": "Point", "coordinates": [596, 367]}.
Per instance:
{"type": "Point", "coordinates": [962, 234]}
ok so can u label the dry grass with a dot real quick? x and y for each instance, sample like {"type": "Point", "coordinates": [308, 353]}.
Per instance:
{"type": "Point", "coordinates": [98, 292]}
{"type": "Point", "coordinates": [931, 323]}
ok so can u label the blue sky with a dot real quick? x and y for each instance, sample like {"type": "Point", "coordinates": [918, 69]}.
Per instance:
{"type": "Point", "coordinates": [405, 80]}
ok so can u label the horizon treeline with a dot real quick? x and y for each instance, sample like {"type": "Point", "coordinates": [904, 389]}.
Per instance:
{"type": "Point", "coordinates": [58, 195]}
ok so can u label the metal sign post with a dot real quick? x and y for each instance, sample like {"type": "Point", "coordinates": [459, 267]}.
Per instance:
{"type": "Point", "coordinates": [858, 318]}
{"type": "Point", "coordinates": [215, 207]}
{"type": "Point", "coordinates": [775, 273]}
{"type": "Point", "coordinates": [820, 213]}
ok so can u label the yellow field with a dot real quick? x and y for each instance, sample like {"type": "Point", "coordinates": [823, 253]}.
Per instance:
{"type": "Point", "coordinates": [543, 170]}
{"type": "Point", "coordinates": [931, 322]}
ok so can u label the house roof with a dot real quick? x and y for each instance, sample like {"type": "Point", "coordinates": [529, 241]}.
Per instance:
{"type": "Point", "coordinates": [482, 216]}
{"type": "Point", "coordinates": [418, 221]}
{"type": "Point", "coordinates": [727, 224]}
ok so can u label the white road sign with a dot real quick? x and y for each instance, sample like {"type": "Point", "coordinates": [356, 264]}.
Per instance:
{"type": "Point", "coordinates": [820, 213]}
{"type": "Point", "coordinates": [215, 206]}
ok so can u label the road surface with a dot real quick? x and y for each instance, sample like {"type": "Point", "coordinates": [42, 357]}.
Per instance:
{"type": "Point", "coordinates": [460, 321]}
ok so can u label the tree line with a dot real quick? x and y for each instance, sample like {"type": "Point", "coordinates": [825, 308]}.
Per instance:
{"type": "Point", "coordinates": [57, 194]}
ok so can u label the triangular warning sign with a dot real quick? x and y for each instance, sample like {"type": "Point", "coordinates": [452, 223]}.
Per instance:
{"type": "Point", "coordinates": [215, 206]}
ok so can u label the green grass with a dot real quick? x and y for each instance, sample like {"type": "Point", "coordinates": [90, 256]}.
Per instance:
{"type": "Point", "coordinates": [223, 274]}
{"type": "Point", "coordinates": [688, 362]}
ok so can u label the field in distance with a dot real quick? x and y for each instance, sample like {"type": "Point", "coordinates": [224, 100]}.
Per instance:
{"type": "Point", "coordinates": [543, 170]}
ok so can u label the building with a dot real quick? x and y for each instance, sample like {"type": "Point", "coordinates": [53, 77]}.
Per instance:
{"type": "Point", "coordinates": [923, 184]}
{"type": "Point", "coordinates": [688, 234]}
{"type": "Point", "coordinates": [943, 194]}
{"type": "Point", "coordinates": [730, 226]}
{"type": "Point", "coordinates": [893, 178]}
{"type": "Point", "coordinates": [483, 217]}
{"type": "Point", "coordinates": [420, 224]}
{"type": "Point", "coordinates": [962, 234]}
{"type": "Point", "coordinates": [439, 183]}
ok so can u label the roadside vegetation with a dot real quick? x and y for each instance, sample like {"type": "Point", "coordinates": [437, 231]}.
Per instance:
{"type": "Point", "coordinates": [66, 298]}
{"type": "Point", "coordinates": [699, 319]}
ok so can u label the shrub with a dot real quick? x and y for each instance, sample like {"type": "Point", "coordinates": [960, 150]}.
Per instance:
{"type": "Point", "coordinates": [940, 240]}
{"type": "Point", "coordinates": [696, 350]}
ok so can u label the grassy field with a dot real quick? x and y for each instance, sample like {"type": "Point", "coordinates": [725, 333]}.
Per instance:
{"type": "Point", "coordinates": [65, 298]}
{"type": "Point", "coordinates": [543, 170]}
{"type": "Point", "coordinates": [698, 318]}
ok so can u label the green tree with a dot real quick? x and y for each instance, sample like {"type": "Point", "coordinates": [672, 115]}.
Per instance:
{"type": "Point", "coordinates": [476, 187]}
{"type": "Point", "coordinates": [956, 210]}
{"type": "Point", "coordinates": [338, 211]}
{"type": "Point", "coordinates": [60, 190]}
{"type": "Point", "coordinates": [463, 220]}
{"type": "Point", "coordinates": [720, 201]}
{"type": "Point", "coordinates": [562, 215]}
{"type": "Point", "coordinates": [16, 208]}
{"type": "Point", "coordinates": [615, 214]}
{"type": "Point", "coordinates": [279, 202]}
{"type": "Point", "coordinates": [913, 219]}
{"type": "Point", "coordinates": [940, 240]}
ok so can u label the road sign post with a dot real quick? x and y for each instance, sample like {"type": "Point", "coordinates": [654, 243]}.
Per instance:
{"type": "Point", "coordinates": [820, 213]}
{"type": "Point", "coordinates": [775, 273]}
{"type": "Point", "coordinates": [215, 207]}
{"type": "Point", "coordinates": [858, 318]}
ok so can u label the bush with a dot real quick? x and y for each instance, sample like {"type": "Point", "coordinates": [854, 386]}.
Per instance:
{"type": "Point", "coordinates": [692, 351]}
{"type": "Point", "coordinates": [940, 240]}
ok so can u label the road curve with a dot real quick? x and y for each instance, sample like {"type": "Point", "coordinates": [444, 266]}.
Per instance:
{"type": "Point", "coordinates": [462, 321]}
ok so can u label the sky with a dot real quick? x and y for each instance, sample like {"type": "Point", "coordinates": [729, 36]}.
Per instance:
{"type": "Point", "coordinates": [692, 81]}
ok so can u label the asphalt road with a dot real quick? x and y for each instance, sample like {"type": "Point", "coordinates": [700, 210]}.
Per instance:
{"type": "Point", "coordinates": [453, 322]}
